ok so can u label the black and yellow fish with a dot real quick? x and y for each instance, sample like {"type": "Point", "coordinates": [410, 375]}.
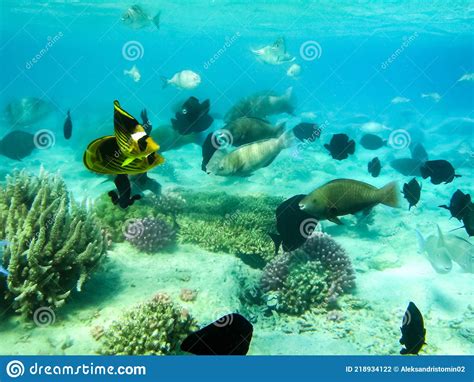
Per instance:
{"type": "Point", "coordinates": [130, 151]}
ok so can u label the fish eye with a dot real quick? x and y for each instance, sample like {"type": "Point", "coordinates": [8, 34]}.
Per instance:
{"type": "Point", "coordinates": [184, 111]}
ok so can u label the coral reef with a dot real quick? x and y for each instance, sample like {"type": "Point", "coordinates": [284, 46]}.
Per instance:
{"type": "Point", "coordinates": [314, 275]}
{"type": "Point", "coordinates": [188, 295]}
{"type": "Point", "coordinates": [54, 244]}
{"type": "Point", "coordinates": [215, 221]}
{"type": "Point", "coordinates": [150, 234]}
{"type": "Point", "coordinates": [156, 327]}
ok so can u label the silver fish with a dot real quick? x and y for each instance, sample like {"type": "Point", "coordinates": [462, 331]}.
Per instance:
{"type": "Point", "coordinates": [248, 158]}
{"type": "Point", "coordinates": [436, 251]}
{"type": "Point", "coordinates": [137, 18]}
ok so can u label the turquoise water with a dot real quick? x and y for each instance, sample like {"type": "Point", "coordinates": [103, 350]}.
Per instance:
{"type": "Point", "coordinates": [406, 65]}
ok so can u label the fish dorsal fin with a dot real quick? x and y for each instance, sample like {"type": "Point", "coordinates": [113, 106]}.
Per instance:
{"type": "Point", "coordinates": [421, 241]}
{"type": "Point", "coordinates": [441, 242]}
{"type": "Point", "coordinates": [124, 126]}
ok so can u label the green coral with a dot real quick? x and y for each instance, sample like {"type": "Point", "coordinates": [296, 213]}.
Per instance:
{"type": "Point", "coordinates": [215, 221]}
{"type": "Point", "coordinates": [156, 327]}
{"type": "Point", "coordinates": [305, 286]}
{"type": "Point", "coordinates": [54, 243]}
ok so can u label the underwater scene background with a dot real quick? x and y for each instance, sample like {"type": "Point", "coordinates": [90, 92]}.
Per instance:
{"type": "Point", "coordinates": [84, 275]}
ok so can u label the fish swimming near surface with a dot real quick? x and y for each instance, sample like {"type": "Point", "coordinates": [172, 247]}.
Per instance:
{"type": "Point", "coordinates": [398, 100]}
{"type": "Point", "coordinates": [438, 171]}
{"type": "Point", "coordinates": [146, 123]}
{"type": "Point", "coordinates": [347, 196]}
{"type": "Point", "coordinates": [340, 146]}
{"type": "Point", "coordinates": [274, 54]}
{"type": "Point", "coordinates": [372, 142]}
{"type": "Point", "coordinates": [413, 330]}
{"type": "Point", "coordinates": [193, 117]}
{"type": "Point", "coordinates": [374, 167]}
{"type": "Point", "coordinates": [137, 18]}
{"type": "Point", "coordinates": [3, 243]}
{"type": "Point", "coordinates": [261, 105]}
{"type": "Point", "coordinates": [294, 71]}
{"type": "Point", "coordinates": [436, 251]}
{"type": "Point", "coordinates": [130, 151]}
{"type": "Point", "coordinates": [307, 131]}
{"type": "Point", "coordinates": [412, 192]}
{"type": "Point", "coordinates": [26, 111]}
{"type": "Point", "coordinates": [458, 205]}
{"type": "Point", "coordinates": [186, 79]}
{"type": "Point", "coordinates": [373, 127]}
{"type": "Point", "coordinates": [246, 159]}
{"type": "Point", "coordinates": [466, 77]}
{"type": "Point", "coordinates": [67, 128]}
{"type": "Point", "coordinates": [17, 145]}
{"type": "Point", "coordinates": [229, 335]}
{"type": "Point", "coordinates": [250, 129]}
{"type": "Point", "coordinates": [123, 196]}
{"type": "Point", "coordinates": [133, 73]}
{"type": "Point", "coordinates": [435, 97]}
{"type": "Point", "coordinates": [294, 226]}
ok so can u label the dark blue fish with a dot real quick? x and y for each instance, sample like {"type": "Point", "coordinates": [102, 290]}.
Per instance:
{"type": "Point", "coordinates": [340, 146]}
{"type": "Point", "coordinates": [146, 123]}
{"type": "Point", "coordinates": [307, 131]}
{"type": "Point", "coordinates": [193, 117]}
{"type": "Point", "coordinates": [438, 171]}
{"type": "Point", "coordinates": [413, 330]}
{"type": "Point", "coordinates": [458, 205]}
{"type": "Point", "coordinates": [374, 167]}
{"type": "Point", "coordinates": [123, 197]}
{"type": "Point", "coordinates": [68, 126]}
{"type": "Point", "coordinates": [412, 192]}
{"type": "Point", "coordinates": [372, 142]}
{"type": "Point", "coordinates": [229, 335]}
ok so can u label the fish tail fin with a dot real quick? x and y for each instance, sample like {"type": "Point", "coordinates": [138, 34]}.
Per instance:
{"type": "Point", "coordinates": [287, 139]}
{"type": "Point", "coordinates": [390, 196]}
{"type": "Point", "coordinates": [156, 20]}
{"type": "Point", "coordinates": [281, 127]}
{"type": "Point", "coordinates": [164, 82]}
{"type": "Point", "coordinates": [277, 240]}
{"type": "Point", "coordinates": [421, 241]}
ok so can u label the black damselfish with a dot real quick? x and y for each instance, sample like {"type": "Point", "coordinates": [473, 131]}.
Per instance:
{"type": "Point", "coordinates": [458, 205]}
{"type": "Point", "coordinates": [374, 167]}
{"type": "Point", "coordinates": [413, 330]}
{"type": "Point", "coordinates": [294, 226]}
{"type": "Point", "coordinates": [123, 197]}
{"type": "Point", "coordinates": [68, 126]}
{"type": "Point", "coordinates": [307, 131]}
{"type": "Point", "coordinates": [340, 146]}
{"type": "Point", "coordinates": [412, 192]}
{"type": "Point", "coordinates": [193, 117]}
{"type": "Point", "coordinates": [372, 142]}
{"type": "Point", "coordinates": [439, 171]}
{"type": "Point", "coordinates": [229, 335]}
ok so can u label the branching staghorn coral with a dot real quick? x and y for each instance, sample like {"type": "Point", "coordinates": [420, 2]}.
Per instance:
{"type": "Point", "coordinates": [313, 275]}
{"type": "Point", "coordinates": [54, 243]}
{"type": "Point", "coordinates": [156, 327]}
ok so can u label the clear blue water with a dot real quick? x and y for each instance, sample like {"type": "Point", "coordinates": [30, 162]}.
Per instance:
{"type": "Point", "coordinates": [431, 45]}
